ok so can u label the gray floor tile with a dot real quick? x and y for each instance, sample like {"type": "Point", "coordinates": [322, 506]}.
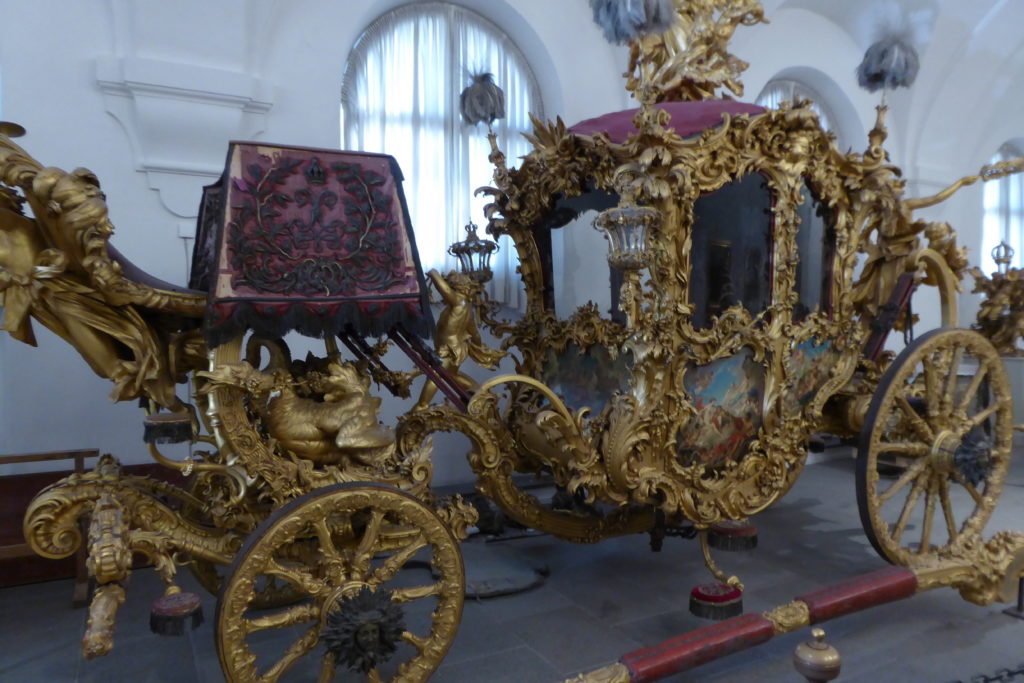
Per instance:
{"type": "Point", "coordinates": [599, 602]}
{"type": "Point", "coordinates": [521, 665]}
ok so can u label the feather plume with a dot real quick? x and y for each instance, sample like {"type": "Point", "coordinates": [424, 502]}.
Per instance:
{"type": "Point", "coordinates": [626, 20]}
{"type": "Point", "coordinates": [892, 59]}
{"type": "Point", "coordinates": [482, 100]}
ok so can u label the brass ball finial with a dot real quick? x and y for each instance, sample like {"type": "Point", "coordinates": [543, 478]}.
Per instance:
{"type": "Point", "coordinates": [11, 129]}
{"type": "Point", "coordinates": [816, 660]}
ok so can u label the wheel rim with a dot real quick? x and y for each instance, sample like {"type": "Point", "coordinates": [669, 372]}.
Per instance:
{"type": "Point", "coordinates": [357, 547]}
{"type": "Point", "coordinates": [942, 411]}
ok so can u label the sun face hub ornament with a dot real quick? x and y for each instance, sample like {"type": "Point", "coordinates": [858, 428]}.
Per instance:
{"type": "Point", "coordinates": [363, 630]}
{"type": "Point", "coordinates": [973, 459]}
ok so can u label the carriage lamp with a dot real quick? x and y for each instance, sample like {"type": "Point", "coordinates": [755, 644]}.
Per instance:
{"type": "Point", "coordinates": [1003, 256]}
{"type": "Point", "coordinates": [474, 255]}
{"type": "Point", "coordinates": [625, 227]}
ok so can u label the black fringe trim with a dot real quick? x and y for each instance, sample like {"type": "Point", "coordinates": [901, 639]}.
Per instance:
{"type": "Point", "coordinates": [350, 316]}
{"type": "Point", "coordinates": [167, 431]}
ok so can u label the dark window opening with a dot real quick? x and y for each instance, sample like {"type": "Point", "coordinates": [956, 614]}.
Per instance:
{"type": "Point", "coordinates": [731, 252]}
{"type": "Point", "coordinates": [815, 245]}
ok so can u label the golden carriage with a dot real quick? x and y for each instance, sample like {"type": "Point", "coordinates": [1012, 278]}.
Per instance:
{"type": "Point", "coordinates": [755, 272]}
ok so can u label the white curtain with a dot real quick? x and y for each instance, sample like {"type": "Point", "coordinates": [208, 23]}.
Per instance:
{"type": "Point", "coordinates": [779, 89]}
{"type": "Point", "coordinates": [400, 95]}
{"type": "Point", "coordinates": [1004, 214]}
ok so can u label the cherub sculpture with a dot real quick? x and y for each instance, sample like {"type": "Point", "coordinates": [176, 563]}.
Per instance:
{"type": "Point", "coordinates": [457, 336]}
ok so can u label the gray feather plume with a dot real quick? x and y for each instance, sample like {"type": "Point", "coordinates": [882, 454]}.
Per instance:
{"type": "Point", "coordinates": [890, 63]}
{"type": "Point", "coordinates": [482, 100]}
{"type": "Point", "coordinates": [892, 60]}
{"type": "Point", "coordinates": [626, 20]}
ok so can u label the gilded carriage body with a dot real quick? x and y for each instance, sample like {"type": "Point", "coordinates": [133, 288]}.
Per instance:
{"type": "Point", "coordinates": [755, 272]}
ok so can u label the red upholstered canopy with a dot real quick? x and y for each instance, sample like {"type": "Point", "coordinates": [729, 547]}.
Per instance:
{"type": "Point", "coordinates": [688, 118]}
{"type": "Point", "coordinates": [312, 240]}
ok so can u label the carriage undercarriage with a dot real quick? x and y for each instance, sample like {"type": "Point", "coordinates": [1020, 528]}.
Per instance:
{"type": "Point", "coordinates": [691, 404]}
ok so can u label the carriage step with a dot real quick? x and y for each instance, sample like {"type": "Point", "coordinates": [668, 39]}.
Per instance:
{"type": "Point", "coordinates": [732, 535]}
{"type": "Point", "coordinates": [172, 611]}
{"type": "Point", "coordinates": [716, 601]}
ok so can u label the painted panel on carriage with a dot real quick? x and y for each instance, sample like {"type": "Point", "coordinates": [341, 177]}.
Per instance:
{"type": "Point", "coordinates": [810, 365]}
{"type": "Point", "coordinates": [728, 395]}
{"type": "Point", "coordinates": [587, 377]}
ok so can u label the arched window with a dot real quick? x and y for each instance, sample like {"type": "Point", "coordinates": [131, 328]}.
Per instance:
{"type": "Point", "coordinates": [400, 95]}
{"type": "Point", "coordinates": [779, 89]}
{"type": "Point", "coordinates": [1004, 213]}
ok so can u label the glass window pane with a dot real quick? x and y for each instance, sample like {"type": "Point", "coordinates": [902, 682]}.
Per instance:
{"type": "Point", "coordinates": [731, 249]}
{"type": "Point", "coordinates": [815, 243]}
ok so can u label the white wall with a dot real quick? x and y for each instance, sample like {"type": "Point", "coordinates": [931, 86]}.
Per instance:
{"type": "Point", "coordinates": [147, 93]}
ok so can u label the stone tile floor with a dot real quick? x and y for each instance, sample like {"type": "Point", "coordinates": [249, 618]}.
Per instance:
{"type": "Point", "coordinates": [599, 602]}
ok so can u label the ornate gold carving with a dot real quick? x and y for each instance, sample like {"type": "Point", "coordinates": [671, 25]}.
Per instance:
{"type": "Point", "coordinates": [613, 673]}
{"type": "Point", "coordinates": [99, 629]}
{"type": "Point", "coordinates": [457, 336]}
{"type": "Point", "coordinates": [57, 269]}
{"type": "Point", "coordinates": [960, 435]}
{"type": "Point", "coordinates": [1001, 316]}
{"type": "Point", "coordinates": [109, 557]}
{"type": "Point", "coordinates": [789, 617]}
{"type": "Point", "coordinates": [691, 61]}
{"type": "Point", "coordinates": [355, 537]}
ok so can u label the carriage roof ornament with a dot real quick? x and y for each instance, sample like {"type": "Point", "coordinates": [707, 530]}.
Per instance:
{"type": "Point", "coordinates": [687, 58]}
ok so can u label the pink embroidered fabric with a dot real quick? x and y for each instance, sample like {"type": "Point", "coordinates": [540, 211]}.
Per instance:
{"type": "Point", "coordinates": [313, 240]}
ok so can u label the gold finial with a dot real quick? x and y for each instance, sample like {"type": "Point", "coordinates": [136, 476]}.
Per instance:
{"type": "Point", "coordinates": [11, 129]}
{"type": "Point", "coordinates": [1003, 256]}
{"type": "Point", "coordinates": [691, 61]}
{"type": "Point", "coordinates": [816, 660]}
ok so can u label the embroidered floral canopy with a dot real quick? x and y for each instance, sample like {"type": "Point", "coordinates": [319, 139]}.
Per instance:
{"type": "Point", "coordinates": [313, 240]}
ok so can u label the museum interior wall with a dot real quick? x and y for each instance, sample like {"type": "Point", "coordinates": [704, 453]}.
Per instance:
{"type": "Point", "coordinates": [147, 94]}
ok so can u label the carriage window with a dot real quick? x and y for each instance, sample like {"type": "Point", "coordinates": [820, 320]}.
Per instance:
{"type": "Point", "coordinates": [815, 244]}
{"type": "Point", "coordinates": [580, 271]}
{"type": "Point", "coordinates": [732, 249]}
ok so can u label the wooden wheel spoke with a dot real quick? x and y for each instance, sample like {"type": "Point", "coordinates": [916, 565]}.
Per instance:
{"type": "Point", "coordinates": [298, 649]}
{"type": "Point", "coordinates": [931, 384]}
{"type": "Point", "coordinates": [365, 550]}
{"type": "Point", "coordinates": [327, 667]}
{"type": "Point", "coordinates": [915, 448]}
{"type": "Point", "coordinates": [415, 592]}
{"type": "Point", "coordinates": [976, 420]}
{"type": "Point", "coordinates": [972, 388]}
{"type": "Point", "coordinates": [947, 509]}
{"type": "Point", "coordinates": [924, 432]}
{"type": "Point", "coordinates": [908, 475]}
{"type": "Point", "coordinates": [949, 392]}
{"type": "Point", "coordinates": [297, 576]}
{"type": "Point", "coordinates": [392, 564]}
{"type": "Point", "coordinates": [419, 643]}
{"type": "Point", "coordinates": [929, 515]}
{"type": "Point", "coordinates": [908, 507]}
{"type": "Point", "coordinates": [959, 478]}
{"type": "Point", "coordinates": [327, 547]}
{"type": "Point", "coordinates": [296, 614]}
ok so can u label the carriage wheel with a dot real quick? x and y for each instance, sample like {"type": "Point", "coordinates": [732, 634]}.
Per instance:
{"type": "Point", "coordinates": [942, 420]}
{"type": "Point", "coordinates": [371, 607]}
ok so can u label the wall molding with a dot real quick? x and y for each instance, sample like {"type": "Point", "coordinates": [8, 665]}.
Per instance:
{"type": "Point", "coordinates": [179, 118]}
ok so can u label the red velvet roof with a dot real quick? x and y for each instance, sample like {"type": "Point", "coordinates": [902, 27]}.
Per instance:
{"type": "Point", "coordinates": [687, 118]}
